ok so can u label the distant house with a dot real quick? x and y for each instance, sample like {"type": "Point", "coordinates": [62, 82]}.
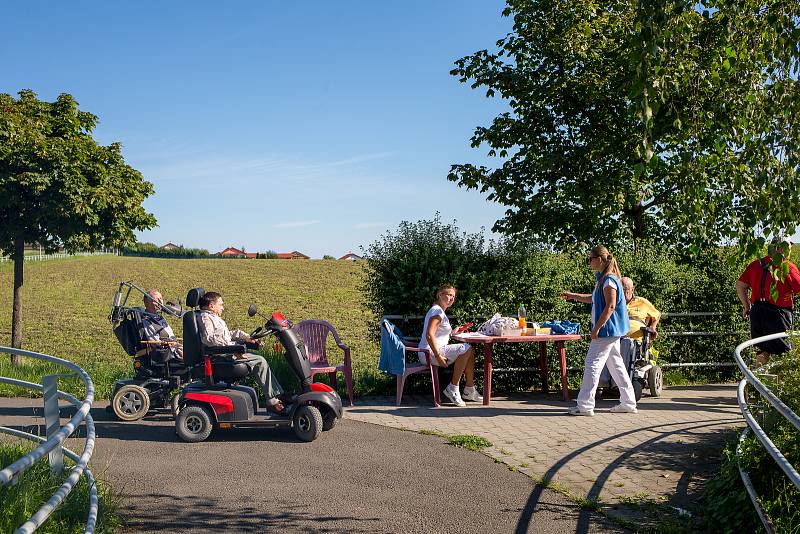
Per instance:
{"type": "Point", "coordinates": [351, 257]}
{"type": "Point", "coordinates": [170, 246]}
{"type": "Point", "coordinates": [231, 252]}
{"type": "Point", "coordinates": [294, 255]}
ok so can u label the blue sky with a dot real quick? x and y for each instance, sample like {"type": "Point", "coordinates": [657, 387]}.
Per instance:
{"type": "Point", "coordinates": [314, 126]}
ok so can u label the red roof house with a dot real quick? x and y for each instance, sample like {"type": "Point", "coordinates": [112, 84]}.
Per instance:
{"type": "Point", "coordinates": [351, 257]}
{"type": "Point", "coordinates": [294, 255]}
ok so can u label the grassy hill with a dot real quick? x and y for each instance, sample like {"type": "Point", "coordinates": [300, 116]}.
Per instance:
{"type": "Point", "coordinates": [66, 304]}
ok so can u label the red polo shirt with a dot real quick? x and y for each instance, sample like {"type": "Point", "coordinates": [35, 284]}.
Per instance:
{"type": "Point", "coordinates": [752, 277]}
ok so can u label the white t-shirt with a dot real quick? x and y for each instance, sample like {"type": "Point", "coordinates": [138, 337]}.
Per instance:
{"type": "Point", "coordinates": [442, 332]}
{"type": "Point", "coordinates": [609, 283]}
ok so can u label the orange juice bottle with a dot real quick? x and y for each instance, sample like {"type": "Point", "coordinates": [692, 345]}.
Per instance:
{"type": "Point", "coordinates": [522, 322]}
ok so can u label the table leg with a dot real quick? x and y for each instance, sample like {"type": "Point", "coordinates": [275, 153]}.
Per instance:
{"type": "Point", "coordinates": [562, 352]}
{"type": "Point", "coordinates": [543, 366]}
{"type": "Point", "coordinates": [487, 373]}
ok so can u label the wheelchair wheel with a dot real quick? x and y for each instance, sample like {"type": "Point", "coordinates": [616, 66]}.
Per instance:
{"type": "Point", "coordinates": [193, 424]}
{"type": "Point", "coordinates": [638, 387]}
{"type": "Point", "coordinates": [175, 404]}
{"type": "Point", "coordinates": [307, 422]}
{"type": "Point", "coordinates": [130, 402]}
{"type": "Point", "coordinates": [655, 380]}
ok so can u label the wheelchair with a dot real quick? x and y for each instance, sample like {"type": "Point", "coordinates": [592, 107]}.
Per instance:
{"type": "Point", "coordinates": [643, 372]}
{"type": "Point", "coordinates": [156, 373]}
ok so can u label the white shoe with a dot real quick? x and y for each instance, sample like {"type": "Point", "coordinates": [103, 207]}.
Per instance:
{"type": "Point", "coordinates": [451, 392]}
{"type": "Point", "coordinates": [577, 411]}
{"type": "Point", "coordinates": [471, 394]}
{"type": "Point", "coordinates": [621, 408]}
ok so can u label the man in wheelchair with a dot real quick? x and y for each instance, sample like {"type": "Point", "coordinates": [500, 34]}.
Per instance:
{"type": "Point", "coordinates": [214, 332]}
{"type": "Point", "coordinates": [155, 330]}
{"type": "Point", "coordinates": [644, 318]}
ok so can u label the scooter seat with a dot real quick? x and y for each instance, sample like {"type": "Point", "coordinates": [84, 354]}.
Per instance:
{"type": "Point", "coordinates": [224, 369]}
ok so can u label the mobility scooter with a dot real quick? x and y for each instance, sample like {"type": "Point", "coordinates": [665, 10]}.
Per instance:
{"type": "Point", "coordinates": [642, 371]}
{"type": "Point", "coordinates": [157, 373]}
{"type": "Point", "coordinates": [217, 401]}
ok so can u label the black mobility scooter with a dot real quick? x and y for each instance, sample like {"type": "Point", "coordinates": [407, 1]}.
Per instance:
{"type": "Point", "coordinates": [215, 400]}
{"type": "Point", "coordinates": [157, 373]}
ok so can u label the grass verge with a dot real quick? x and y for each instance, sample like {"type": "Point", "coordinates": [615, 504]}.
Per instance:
{"type": "Point", "coordinates": [20, 501]}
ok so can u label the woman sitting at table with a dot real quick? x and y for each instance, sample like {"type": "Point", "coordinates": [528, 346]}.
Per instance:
{"type": "Point", "coordinates": [610, 322]}
{"type": "Point", "coordinates": [435, 337]}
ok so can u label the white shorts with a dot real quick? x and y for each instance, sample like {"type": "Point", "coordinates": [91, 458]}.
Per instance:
{"type": "Point", "coordinates": [449, 352]}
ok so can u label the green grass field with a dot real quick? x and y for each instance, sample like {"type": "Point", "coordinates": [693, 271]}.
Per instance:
{"type": "Point", "coordinates": [66, 304]}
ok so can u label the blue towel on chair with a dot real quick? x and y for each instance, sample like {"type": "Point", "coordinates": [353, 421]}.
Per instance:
{"type": "Point", "coordinates": [562, 327]}
{"type": "Point", "coordinates": [393, 351]}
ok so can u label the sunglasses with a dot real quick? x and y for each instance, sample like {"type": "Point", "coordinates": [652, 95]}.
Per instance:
{"type": "Point", "coordinates": [590, 258]}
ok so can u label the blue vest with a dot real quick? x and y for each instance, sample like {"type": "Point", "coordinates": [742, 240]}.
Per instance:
{"type": "Point", "coordinates": [618, 324]}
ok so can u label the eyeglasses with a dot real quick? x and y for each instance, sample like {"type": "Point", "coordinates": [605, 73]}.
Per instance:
{"type": "Point", "coordinates": [590, 258]}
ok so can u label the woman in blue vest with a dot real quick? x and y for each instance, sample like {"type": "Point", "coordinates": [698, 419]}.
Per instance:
{"type": "Point", "coordinates": [609, 323]}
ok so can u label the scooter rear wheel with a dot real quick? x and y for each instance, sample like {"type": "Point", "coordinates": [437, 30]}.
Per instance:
{"type": "Point", "coordinates": [307, 422]}
{"type": "Point", "coordinates": [193, 424]}
{"type": "Point", "coordinates": [655, 380]}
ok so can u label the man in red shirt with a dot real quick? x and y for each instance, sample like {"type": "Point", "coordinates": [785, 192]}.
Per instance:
{"type": "Point", "coordinates": [768, 315]}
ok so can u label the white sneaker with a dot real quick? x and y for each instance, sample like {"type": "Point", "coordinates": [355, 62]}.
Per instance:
{"type": "Point", "coordinates": [451, 392]}
{"type": "Point", "coordinates": [577, 411]}
{"type": "Point", "coordinates": [621, 408]}
{"type": "Point", "coordinates": [471, 394]}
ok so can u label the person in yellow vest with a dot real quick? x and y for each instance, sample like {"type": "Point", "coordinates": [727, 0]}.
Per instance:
{"type": "Point", "coordinates": [641, 311]}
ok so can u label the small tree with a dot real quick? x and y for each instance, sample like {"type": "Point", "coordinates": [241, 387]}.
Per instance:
{"type": "Point", "coordinates": [328, 257]}
{"type": "Point", "coordinates": [59, 187]}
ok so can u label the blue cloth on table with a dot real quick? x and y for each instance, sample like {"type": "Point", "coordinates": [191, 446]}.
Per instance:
{"type": "Point", "coordinates": [562, 327]}
{"type": "Point", "coordinates": [393, 350]}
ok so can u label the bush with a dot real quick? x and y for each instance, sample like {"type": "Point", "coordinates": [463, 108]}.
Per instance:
{"type": "Point", "coordinates": [151, 250]}
{"type": "Point", "coordinates": [405, 267]}
{"type": "Point", "coordinates": [328, 257]}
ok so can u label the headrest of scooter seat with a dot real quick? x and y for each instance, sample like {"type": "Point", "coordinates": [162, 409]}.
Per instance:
{"type": "Point", "coordinates": [193, 296]}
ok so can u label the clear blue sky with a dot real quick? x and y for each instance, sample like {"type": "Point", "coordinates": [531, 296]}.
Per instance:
{"type": "Point", "coordinates": [314, 126]}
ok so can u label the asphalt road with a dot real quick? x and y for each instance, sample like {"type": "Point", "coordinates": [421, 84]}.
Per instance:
{"type": "Point", "coordinates": [356, 478]}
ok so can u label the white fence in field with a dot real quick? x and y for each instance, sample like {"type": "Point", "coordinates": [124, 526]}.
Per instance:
{"type": "Point", "coordinates": [59, 255]}
{"type": "Point", "coordinates": [755, 428]}
{"type": "Point", "coordinates": [53, 444]}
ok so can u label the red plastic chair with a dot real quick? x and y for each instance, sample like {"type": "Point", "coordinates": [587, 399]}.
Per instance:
{"type": "Point", "coordinates": [418, 367]}
{"type": "Point", "coordinates": [315, 335]}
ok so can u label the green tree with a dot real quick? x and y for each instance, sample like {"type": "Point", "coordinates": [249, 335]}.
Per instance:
{"type": "Point", "coordinates": [59, 187]}
{"type": "Point", "coordinates": [631, 118]}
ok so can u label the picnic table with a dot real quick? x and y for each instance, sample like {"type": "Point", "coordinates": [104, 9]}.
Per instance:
{"type": "Point", "coordinates": [488, 343]}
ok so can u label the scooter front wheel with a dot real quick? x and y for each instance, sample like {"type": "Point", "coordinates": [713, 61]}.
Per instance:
{"type": "Point", "coordinates": [307, 422]}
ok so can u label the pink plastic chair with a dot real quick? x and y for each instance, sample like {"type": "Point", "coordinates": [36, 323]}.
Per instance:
{"type": "Point", "coordinates": [315, 335]}
{"type": "Point", "coordinates": [414, 368]}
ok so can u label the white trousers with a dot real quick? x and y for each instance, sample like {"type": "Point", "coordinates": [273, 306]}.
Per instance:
{"type": "Point", "coordinates": [604, 352]}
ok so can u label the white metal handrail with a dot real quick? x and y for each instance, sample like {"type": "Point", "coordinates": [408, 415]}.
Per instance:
{"type": "Point", "coordinates": [9, 474]}
{"type": "Point", "coordinates": [755, 428]}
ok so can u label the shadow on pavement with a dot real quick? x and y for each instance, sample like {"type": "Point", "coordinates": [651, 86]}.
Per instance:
{"type": "Point", "coordinates": [653, 455]}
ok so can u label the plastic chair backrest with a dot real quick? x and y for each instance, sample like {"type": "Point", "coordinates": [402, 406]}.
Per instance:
{"type": "Point", "coordinates": [315, 335]}
{"type": "Point", "coordinates": [127, 333]}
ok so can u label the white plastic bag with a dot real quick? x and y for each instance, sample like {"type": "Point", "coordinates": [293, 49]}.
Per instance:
{"type": "Point", "coordinates": [496, 325]}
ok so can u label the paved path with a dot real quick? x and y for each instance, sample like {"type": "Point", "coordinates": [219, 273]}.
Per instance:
{"type": "Point", "coordinates": [357, 478]}
{"type": "Point", "coordinates": [660, 454]}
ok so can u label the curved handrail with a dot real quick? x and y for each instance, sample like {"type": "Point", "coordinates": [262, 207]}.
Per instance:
{"type": "Point", "coordinates": [8, 474]}
{"type": "Point", "coordinates": [752, 424]}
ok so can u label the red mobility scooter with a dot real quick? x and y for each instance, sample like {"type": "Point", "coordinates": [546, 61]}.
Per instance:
{"type": "Point", "coordinates": [216, 400]}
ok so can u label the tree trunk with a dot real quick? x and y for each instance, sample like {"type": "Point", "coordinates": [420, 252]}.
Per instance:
{"type": "Point", "coordinates": [16, 317]}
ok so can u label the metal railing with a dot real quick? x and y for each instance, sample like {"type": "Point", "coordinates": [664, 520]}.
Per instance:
{"type": "Point", "coordinates": [755, 428]}
{"type": "Point", "coordinates": [52, 445]}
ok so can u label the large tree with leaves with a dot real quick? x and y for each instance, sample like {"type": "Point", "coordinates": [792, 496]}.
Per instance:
{"type": "Point", "coordinates": [632, 118]}
{"type": "Point", "coordinates": [61, 188]}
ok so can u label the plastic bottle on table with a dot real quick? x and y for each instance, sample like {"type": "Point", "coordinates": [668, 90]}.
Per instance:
{"type": "Point", "coordinates": [522, 322]}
